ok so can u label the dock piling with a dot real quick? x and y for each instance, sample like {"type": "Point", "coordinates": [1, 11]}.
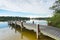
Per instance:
{"type": "Point", "coordinates": [21, 25]}
{"type": "Point", "coordinates": [38, 31]}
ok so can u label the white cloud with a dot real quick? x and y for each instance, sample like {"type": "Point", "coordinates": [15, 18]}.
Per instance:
{"type": "Point", "coordinates": [34, 6]}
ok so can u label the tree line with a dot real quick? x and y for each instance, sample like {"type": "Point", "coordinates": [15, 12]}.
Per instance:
{"type": "Point", "coordinates": [8, 18]}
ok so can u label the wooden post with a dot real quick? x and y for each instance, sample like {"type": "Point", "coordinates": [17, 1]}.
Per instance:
{"type": "Point", "coordinates": [15, 23]}
{"type": "Point", "coordinates": [21, 25]}
{"type": "Point", "coordinates": [38, 31]}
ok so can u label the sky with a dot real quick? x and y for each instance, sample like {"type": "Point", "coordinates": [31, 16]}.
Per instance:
{"type": "Point", "coordinates": [26, 8]}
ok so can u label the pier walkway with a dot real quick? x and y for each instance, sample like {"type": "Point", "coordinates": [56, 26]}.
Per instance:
{"type": "Point", "coordinates": [46, 30]}
{"type": "Point", "coordinates": [51, 31]}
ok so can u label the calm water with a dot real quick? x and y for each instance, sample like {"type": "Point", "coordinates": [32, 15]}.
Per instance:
{"type": "Point", "coordinates": [8, 32]}
{"type": "Point", "coordinates": [41, 22]}
{"type": "Point", "coordinates": [3, 24]}
{"type": "Point", "coordinates": [12, 32]}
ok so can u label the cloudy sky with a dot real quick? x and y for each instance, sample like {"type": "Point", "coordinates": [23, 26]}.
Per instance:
{"type": "Point", "coordinates": [26, 8]}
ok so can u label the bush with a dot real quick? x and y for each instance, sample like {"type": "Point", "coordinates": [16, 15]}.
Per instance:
{"type": "Point", "coordinates": [55, 20]}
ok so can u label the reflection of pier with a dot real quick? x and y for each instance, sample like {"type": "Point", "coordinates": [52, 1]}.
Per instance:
{"type": "Point", "coordinates": [46, 30]}
{"type": "Point", "coordinates": [32, 27]}
{"type": "Point", "coordinates": [30, 34]}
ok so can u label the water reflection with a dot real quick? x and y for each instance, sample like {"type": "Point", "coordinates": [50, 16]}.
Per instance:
{"type": "Point", "coordinates": [41, 22]}
{"type": "Point", "coordinates": [30, 35]}
{"type": "Point", "coordinates": [13, 32]}
{"type": "Point", "coordinates": [21, 35]}
{"type": "Point", "coordinates": [3, 24]}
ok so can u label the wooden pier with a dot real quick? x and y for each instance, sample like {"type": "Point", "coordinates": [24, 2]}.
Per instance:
{"type": "Point", "coordinates": [46, 30]}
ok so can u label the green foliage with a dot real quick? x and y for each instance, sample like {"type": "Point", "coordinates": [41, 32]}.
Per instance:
{"type": "Point", "coordinates": [12, 18]}
{"type": "Point", "coordinates": [55, 20]}
{"type": "Point", "coordinates": [56, 6]}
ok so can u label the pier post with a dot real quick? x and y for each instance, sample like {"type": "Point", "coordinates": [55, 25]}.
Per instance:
{"type": "Point", "coordinates": [33, 22]}
{"type": "Point", "coordinates": [21, 25]}
{"type": "Point", "coordinates": [15, 23]}
{"type": "Point", "coordinates": [38, 31]}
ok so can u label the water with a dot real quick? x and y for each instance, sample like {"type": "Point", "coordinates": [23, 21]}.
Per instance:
{"type": "Point", "coordinates": [3, 24]}
{"type": "Point", "coordinates": [12, 32]}
{"type": "Point", "coordinates": [8, 32]}
{"type": "Point", "coordinates": [41, 22]}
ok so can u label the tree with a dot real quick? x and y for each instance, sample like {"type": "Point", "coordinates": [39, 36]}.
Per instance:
{"type": "Point", "coordinates": [55, 20]}
{"type": "Point", "coordinates": [56, 6]}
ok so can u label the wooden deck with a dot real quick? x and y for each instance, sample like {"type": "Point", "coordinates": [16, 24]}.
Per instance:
{"type": "Point", "coordinates": [51, 32]}
{"type": "Point", "coordinates": [46, 30]}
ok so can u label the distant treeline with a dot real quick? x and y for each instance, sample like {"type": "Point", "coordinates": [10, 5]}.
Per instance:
{"type": "Point", "coordinates": [8, 18]}
{"type": "Point", "coordinates": [42, 18]}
